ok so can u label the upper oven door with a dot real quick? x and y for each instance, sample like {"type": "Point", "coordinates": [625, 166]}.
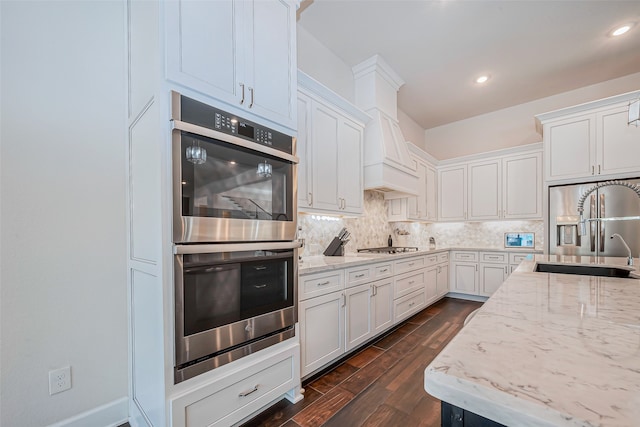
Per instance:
{"type": "Point", "coordinates": [227, 189]}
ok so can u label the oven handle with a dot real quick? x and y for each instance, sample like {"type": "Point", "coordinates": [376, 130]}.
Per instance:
{"type": "Point", "coordinates": [233, 247]}
{"type": "Point", "coordinates": [214, 134]}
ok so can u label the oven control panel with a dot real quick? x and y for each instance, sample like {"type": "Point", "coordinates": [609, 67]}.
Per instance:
{"type": "Point", "coordinates": [204, 115]}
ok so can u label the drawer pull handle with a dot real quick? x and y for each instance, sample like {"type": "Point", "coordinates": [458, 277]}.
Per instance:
{"type": "Point", "coordinates": [359, 275]}
{"type": "Point", "coordinates": [260, 268]}
{"type": "Point", "coordinates": [261, 286]}
{"type": "Point", "coordinates": [411, 264]}
{"type": "Point", "coordinates": [411, 282]}
{"type": "Point", "coordinates": [384, 271]}
{"type": "Point", "coordinates": [248, 392]}
{"type": "Point", "coordinates": [412, 304]}
{"type": "Point", "coordinates": [324, 283]}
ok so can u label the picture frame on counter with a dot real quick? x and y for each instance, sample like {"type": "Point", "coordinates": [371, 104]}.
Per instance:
{"type": "Point", "coordinates": [519, 240]}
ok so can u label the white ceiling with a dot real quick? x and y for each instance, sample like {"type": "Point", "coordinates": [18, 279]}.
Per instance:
{"type": "Point", "coordinates": [531, 49]}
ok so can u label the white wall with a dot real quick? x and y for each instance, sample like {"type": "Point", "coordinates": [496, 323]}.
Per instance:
{"type": "Point", "coordinates": [515, 125]}
{"type": "Point", "coordinates": [62, 160]}
{"type": "Point", "coordinates": [411, 130]}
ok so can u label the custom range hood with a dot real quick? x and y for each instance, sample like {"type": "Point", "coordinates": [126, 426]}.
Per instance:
{"type": "Point", "coordinates": [388, 166]}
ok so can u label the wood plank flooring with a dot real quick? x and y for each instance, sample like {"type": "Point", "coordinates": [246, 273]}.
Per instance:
{"type": "Point", "coordinates": [382, 385]}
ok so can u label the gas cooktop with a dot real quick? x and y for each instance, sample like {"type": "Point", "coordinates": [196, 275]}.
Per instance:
{"type": "Point", "coordinates": [388, 250]}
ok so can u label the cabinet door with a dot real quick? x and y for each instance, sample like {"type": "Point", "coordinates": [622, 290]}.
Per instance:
{"type": "Point", "coordinates": [321, 330]}
{"type": "Point", "coordinates": [205, 49]}
{"type": "Point", "coordinates": [522, 186]}
{"type": "Point", "coordinates": [271, 61]}
{"type": "Point", "coordinates": [324, 128]}
{"type": "Point", "coordinates": [350, 179]}
{"type": "Point", "coordinates": [417, 206]}
{"type": "Point", "coordinates": [442, 280]}
{"type": "Point", "coordinates": [304, 150]}
{"type": "Point", "coordinates": [618, 143]}
{"type": "Point", "coordinates": [431, 278]}
{"type": "Point", "coordinates": [452, 193]}
{"type": "Point", "coordinates": [485, 190]}
{"type": "Point", "coordinates": [465, 277]}
{"type": "Point", "coordinates": [570, 148]}
{"type": "Point", "coordinates": [431, 194]}
{"type": "Point", "coordinates": [382, 316]}
{"type": "Point", "coordinates": [491, 277]}
{"type": "Point", "coordinates": [358, 315]}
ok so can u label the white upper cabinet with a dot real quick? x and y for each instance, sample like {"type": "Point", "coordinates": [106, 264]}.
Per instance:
{"type": "Point", "coordinates": [330, 172]}
{"type": "Point", "coordinates": [240, 52]}
{"type": "Point", "coordinates": [432, 194]}
{"type": "Point", "coordinates": [485, 190]}
{"type": "Point", "coordinates": [522, 186]}
{"type": "Point", "coordinates": [452, 193]}
{"type": "Point", "coordinates": [591, 140]}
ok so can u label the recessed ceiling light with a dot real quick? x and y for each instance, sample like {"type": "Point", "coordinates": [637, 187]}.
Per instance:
{"type": "Point", "coordinates": [482, 79]}
{"type": "Point", "coordinates": [621, 30]}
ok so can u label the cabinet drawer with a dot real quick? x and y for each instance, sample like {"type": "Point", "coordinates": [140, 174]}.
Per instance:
{"type": "Point", "coordinates": [382, 270]}
{"type": "Point", "coordinates": [358, 275]}
{"type": "Point", "coordinates": [444, 256]}
{"type": "Point", "coordinates": [517, 258]}
{"type": "Point", "coordinates": [431, 260]}
{"type": "Point", "coordinates": [408, 282]}
{"type": "Point", "coordinates": [465, 256]}
{"type": "Point", "coordinates": [214, 409]}
{"type": "Point", "coordinates": [409, 305]}
{"type": "Point", "coordinates": [409, 264]}
{"type": "Point", "coordinates": [314, 285]}
{"type": "Point", "coordinates": [494, 257]}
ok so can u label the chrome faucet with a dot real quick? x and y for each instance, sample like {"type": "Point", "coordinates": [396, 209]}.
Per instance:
{"type": "Point", "coordinates": [630, 257]}
{"type": "Point", "coordinates": [582, 229]}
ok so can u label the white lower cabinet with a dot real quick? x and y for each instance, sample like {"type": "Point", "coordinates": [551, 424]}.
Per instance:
{"type": "Point", "coordinates": [382, 313]}
{"type": "Point", "coordinates": [321, 330]}
{"type": "Point", "coordinates": [491, 277]}
{"type": "Point", "coordinates": [238, 394]}
{"type": "Point", "coordinates": [410, 287]}
{"type": "Point", "coordinates": [359, 311]}
{"type": "Point", "coordinates": [442, 280]}
{"type": "Point", "coordinates": [464, 277]}
{"type": "Point", "coordinates": [409, 305]}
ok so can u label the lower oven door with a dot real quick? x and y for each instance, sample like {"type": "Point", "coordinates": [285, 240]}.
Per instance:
{"type": "Point", "coordinates": [231, 300]}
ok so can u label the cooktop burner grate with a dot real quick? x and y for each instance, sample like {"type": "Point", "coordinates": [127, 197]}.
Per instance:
{"type": "Point", "coordinates": [388, 250]}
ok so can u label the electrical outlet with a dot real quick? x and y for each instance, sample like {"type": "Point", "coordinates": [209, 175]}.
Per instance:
{"type": "Point", "coordinates": [59, 380]}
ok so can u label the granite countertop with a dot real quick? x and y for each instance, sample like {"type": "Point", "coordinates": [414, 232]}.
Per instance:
{"type": "Point", "coordinates": [318, 263]}
{"type": "Point", "coordinates": [548, 350]}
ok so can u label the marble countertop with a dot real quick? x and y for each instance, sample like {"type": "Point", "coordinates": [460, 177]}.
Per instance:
{"type": "Point", "coordinates": [548, 350]}
{"type": "Point", "coordinates": [317, 263]}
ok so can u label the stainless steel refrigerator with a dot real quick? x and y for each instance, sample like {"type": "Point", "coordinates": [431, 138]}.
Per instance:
{"type": "Point", "coordinates": [605, 202]}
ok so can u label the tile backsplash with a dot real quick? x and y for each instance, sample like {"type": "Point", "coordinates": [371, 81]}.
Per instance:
{"type": "Point", "coordinates": [373, 230]}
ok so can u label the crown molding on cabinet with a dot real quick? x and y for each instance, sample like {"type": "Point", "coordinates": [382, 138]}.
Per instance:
{"type": "Point", "coordinates": [417, 151]}
{"type": "Point", "coordinates": [309, 84]}
{"type": "Point", "coordinates": [537, 146]}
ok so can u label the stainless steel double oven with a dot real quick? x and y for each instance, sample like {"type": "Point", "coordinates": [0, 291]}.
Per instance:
{"type": "Point", "coordinates": [234, 225]}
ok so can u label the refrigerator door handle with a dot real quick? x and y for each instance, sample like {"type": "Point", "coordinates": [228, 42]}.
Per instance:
{"type": "Point", "coordinates": [592, 224]}
{"type": "Point", "coordinates": [602, 215]}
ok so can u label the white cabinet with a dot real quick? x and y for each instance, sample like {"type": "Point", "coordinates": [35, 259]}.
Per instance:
{"type": "Point", "coordinates": [494, 270]}
{"type": "Point", "coordinates": [452, 193]}
{"type": "Point", "coordinates": [522, 186]}
{"type": "Point", "coordinates": [464, 272]}
{"type": "Point", "coordinates": [422, 207]}
{"type": "Point", "coordinates": [369, 311]}
{"type": "Point", "coordinates": [240, 52]}
{"type": "Point", "coordinates": [442, 280]}
{"type": "Point", "coordinates": [485, 190]}
{"type": "Point", "coordinates": [591, 140]}
{"type": "Point", "coordinates": [516, 258]}
{"type": "Point", "coordinates": [321, 330]}
{"type": "Point", "coordinates": [382, 310]}
{"type": "Point", "coordinates": [330, 151]}
{"type": "Point", "coordinates": [409, 287]}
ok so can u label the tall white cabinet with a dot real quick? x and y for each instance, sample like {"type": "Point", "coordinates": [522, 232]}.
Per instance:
{"type": "Point", "coordinates": [241, 57]}
{"type": "Point", "coordinates": [330, 138]}
{"type": "Point", "coordinates": [239, 52]}
{"type": "Point", "coordinates": [591, 141]}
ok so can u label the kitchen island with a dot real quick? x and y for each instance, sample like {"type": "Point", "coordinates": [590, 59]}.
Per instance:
{"type": "Point", "coordinates": [548, 349]}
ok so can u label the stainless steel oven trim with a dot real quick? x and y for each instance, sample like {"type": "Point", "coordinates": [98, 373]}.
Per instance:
{"type": "Point", "coordinates": [178, 125]}
{"type": "Point", "coordinates": [198, 344]}
{"type": "Point", "coordinates": [222, 359]}
{"type": "Point", "coordinates": [233, 247]}
{"type": "Point", "coordinates": [204, 229]}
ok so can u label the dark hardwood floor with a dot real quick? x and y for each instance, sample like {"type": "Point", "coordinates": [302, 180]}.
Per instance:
{"type": "Point", "coordinates": [382, 385]}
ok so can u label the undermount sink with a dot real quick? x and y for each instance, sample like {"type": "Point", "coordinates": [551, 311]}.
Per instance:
{"type": "Point", "coordinates": [586, 270]}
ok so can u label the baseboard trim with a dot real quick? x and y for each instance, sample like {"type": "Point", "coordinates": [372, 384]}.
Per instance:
{"type": "Point", "coordinates": [111, 414]}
